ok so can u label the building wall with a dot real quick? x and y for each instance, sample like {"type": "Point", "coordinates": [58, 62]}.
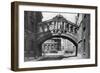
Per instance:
{"type": "Point", "coordinates": [84, 35]}
{"type": "Point", "coordinates": [31, 20]}
{"type": "Point", "coordinates": [52, 45]}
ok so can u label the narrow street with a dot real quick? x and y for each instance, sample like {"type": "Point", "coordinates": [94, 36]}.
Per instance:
{"type": "Point", "coordinates": [54, 57]}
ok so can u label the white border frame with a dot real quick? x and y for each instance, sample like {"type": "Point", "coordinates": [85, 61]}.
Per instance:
{"type": "Point", "coordinates": [33, 64]}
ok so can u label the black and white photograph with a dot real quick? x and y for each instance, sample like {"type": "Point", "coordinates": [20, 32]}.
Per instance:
{"type": "Point", "coordinates": [56, 36]}
{"type": "Point", "coordinates": [53, 36]}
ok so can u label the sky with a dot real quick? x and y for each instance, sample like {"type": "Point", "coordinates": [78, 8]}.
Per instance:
{"type": "Point", "coordinates": [69, 16]}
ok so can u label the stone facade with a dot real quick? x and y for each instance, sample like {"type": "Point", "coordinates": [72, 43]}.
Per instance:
{"type": "Point", "coordinates": [84, 35]}
{"type": "Point", "coordinates": [31, 20]}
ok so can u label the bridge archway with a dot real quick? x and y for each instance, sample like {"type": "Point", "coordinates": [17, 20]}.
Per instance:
{"type": "Point", "coordinates": [45, 38]}
{"type": "Point", "coordinates": [57, 27]}
{"type": "Point", "coordinates": [42, 39]}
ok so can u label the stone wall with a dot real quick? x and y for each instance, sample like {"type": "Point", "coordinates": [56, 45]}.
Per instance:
{"type": "Point", "coordinates": [31, 20]}
{"type": "Point", "coordinates": [84, 35]}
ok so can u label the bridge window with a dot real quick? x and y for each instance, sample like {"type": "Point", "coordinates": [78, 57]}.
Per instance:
{"type": "Point", "coordinates": [71, 28]}
{"type": "Point", "coordinates": [67, 27]}
{"type": "Point", "coordinates": [56, 25]}
{"type": "Point", "coordinates": [75, 30]}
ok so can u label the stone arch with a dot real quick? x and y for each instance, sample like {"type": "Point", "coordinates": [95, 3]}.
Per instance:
{"type": "Point", "coordinates": [46, 37]}
{"type": "Point", "coordinates": [66, 37]}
